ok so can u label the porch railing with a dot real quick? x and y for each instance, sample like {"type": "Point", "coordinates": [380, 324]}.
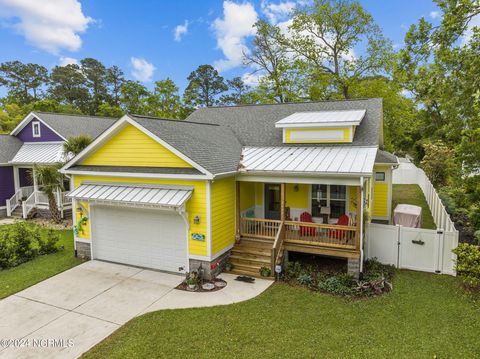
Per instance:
{"type": "Point", "coordinates": [28, 205]}
{"type": "Point", "coordinates": [278, 246]}
{"type": "Point", "coordinates": [259, 228]}
{"type": "Point", "coordinates": [327, 235]}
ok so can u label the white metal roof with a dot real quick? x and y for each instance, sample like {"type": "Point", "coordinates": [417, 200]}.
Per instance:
{"type": "Point", "coordinates": [41, 153]}
{"type": "Point", "coordinates": [322, 119]}
{"type": "Point", "coordinates": [345, 160]}
{"type": "Point", "coordinates": [133, 194]}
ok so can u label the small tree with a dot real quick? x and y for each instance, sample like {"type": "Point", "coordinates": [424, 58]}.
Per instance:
{"type": "Point", "coordinates": [51, 180]}
{"type": "Point", "coordinates": [76, 144]}
{"type": "Point", "coordinates": [437, 163]}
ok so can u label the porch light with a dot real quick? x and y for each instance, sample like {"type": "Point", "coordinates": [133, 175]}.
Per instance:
{"type": "Point", "coordinates": [196, 220]}
{"type": "Point", "coordinates": [295, 188]}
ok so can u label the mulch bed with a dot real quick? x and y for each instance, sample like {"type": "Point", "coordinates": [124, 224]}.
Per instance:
{"type": "Point", "coordinates": [216, 281]}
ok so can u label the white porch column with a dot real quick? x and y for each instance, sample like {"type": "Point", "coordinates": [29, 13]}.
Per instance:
{"type": "Point", "coordinates": [35, 185]}
{"type": "Point", "coordinates": [16, 178]}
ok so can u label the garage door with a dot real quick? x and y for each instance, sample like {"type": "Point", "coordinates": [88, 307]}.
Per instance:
{"type": "Point", "coordinates": [146, 238]}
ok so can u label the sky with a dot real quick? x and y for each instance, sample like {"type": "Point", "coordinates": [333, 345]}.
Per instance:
{"type": "Point", "coordinates": [151, 40]}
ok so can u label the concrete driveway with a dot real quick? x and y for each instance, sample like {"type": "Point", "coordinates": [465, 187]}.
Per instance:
{"type": "Point", "coordinates": [64, 316]}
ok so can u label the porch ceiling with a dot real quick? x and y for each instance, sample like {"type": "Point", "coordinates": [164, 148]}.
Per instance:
{"type": "Point", "coordinates": [325, 160]}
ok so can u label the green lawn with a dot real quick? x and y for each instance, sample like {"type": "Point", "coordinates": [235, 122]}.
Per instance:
{"type": "Point", "coordinates": [425, 315]}
{"type": "Point", "coordinates": [25, 275]}
{"type": "Point", "coordinates": [412, 194]}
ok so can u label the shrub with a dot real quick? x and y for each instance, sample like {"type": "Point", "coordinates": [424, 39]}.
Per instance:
{"type": "Point", "coordinates": [292, 270]}
{"type": "Point", "coordinates": [468, 264]}
{"type": "Point", "coordinates": [20, 243]}
{"type": "Point", "coordinates": [342, 284]}
{"type": "Point", "coordinates": [373, 270]}
{"type": "Point", "coordinates": [305, 279]}
{"type": "Point", "coordinates": [265, 271]}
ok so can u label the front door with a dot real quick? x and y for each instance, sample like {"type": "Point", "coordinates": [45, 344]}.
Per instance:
{"type": "Point", "coordinates": [272, 201]}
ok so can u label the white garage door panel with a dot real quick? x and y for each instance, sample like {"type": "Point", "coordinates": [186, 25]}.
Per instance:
{"type": "Point", "coordinates": [146, 238]}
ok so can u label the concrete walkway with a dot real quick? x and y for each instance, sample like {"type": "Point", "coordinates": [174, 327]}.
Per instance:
{"type": "Point", "coordinates": [4, 221]}
{"type": "Point", "coordinates": [80, 307]}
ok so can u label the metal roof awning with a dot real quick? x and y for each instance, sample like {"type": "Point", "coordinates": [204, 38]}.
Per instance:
{"type": "Point", "coordinates": [134, 195]}
{"type": "Point", "coordinates": [322, 119]}
{"type": "Point", "coordinates": [327, 160]}
{"type": "Point", "coordinates": [41, 153]}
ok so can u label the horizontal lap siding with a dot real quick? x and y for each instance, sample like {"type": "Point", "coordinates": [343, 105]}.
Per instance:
{"type": "Point", "coordinates": [380, 199]}
{"type": "Point", "coordinates": [223, 214]}
{"type": "Point", "coordinates": [196, 205]}
{"type": "Point", "coordinates": [345, 130]}
{"type": "Point", "coordinates": [131, 147]}
{"type": "Point", "coordinates": [7, 186]}
{"type": "Point", "coordinates": [247, 195]}
{"type": "Point", "coordinates": [299, 198]}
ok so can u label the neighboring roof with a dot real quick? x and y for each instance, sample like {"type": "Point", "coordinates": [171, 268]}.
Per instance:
{"type": "Point", "coordinates": [75, 125]}
{"type": "Point", "coordinates": [213, 147]}
{"type": "Point", "coordinates": [385, 157]}
{"type": "Point", "coordinates": [130, 169]}
{"type": "Point", "coordinates": [254, 125]}
{"type": "Point", "coordinates": [9, 146]}
{"type": "Point", "coordinates": [322, 118]}
{"type": "Point", "coordinates": [344, 160]}
{"type": "Point", "coordinates": [39, 152]}
{"type": "Point", "coordinates": [133, 195]}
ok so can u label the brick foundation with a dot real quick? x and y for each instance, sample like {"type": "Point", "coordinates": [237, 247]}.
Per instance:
{"type": "Point", "coordinates": [83, 250]}
{"type": "Point", "coordinates": [206, 266]}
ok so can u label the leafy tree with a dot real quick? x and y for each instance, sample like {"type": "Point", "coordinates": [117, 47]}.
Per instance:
{"type": "Point", "coordinates": [237, 92]}
{"type": "Point", "coordinates": [107, 110]}
{"type": "Point", "coordinates": [324, 38]}
{"type": "Point", "coordinates": [69, 86]}
{"type": "Point", "coordinates": [115, 79]}
{"type": "Point", "coordinates": [76, 144]}
{"type": "Point", "coordinates": [165, 100]}
{"type": "Point", "coordinates": [23, 81]}
{"type": "Point", "coordinates": [10, 115]}
{"type": "Point", "coordinates": [134, 97]}
{"type": "Point", "coordinates": [438, 163]}
{"type": "Point", "coordinates": [51, 181]}
{"type": "Point", "coordinates": [96, 75]}
{"type": "Point", "coordinates": [204, 87]}
{"type": "Point", "coordinates": [270, 58]}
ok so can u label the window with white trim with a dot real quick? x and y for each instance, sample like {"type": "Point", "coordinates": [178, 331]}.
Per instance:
{"type": "Point", "coordinates": [379, 176]}
{"type": "Point", "coordinates": [36, 129]}
{"type": "Point", "coordinates": [328, 201]}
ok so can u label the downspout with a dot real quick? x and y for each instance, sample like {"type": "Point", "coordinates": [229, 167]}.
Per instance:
{"type": "Point", "coordinates": [361, 223]}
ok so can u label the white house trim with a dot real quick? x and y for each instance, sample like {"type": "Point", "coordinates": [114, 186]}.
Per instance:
{"type": "Point", "coordinates": [209, 217]}
{"type": "Point", "coordinates": [27, 120]}
{"type": "Point", "coordinates": [134, 175]}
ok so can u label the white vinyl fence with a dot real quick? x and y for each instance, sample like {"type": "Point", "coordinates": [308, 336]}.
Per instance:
{"type": "Point", "coordinates": [417, 249]}
{"type": "Point", "coordinates": [408, 173]}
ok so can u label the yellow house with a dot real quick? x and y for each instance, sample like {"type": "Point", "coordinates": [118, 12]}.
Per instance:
{"type": "Point", "coordinates": [247, 184]}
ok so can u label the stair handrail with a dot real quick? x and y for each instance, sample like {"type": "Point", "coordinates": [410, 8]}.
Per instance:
{"type": "Point", "coordinates": [13, 202]}
{"type": "Point", "coordinates": [277, 245]}
{"type": "Point", "coordinates": [28, 205]}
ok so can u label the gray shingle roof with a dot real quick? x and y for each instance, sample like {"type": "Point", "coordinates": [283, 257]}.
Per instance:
{"type": "Point", "coordinates": [160, 170]}
{"type": "Point", "coordinates": [9, 146]}
{"type": "Point", "coordinates": [254, 125]}
{"type": "Point", "coordinates": [75, 125]}
{"type": "Point", "coordinates": [385, 157]}
{"type": "Point", "coordinates": [213, 147]}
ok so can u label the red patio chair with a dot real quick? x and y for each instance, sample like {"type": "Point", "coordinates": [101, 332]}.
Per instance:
{"type": "Point", "coordinates": [306, 231]}
{"type": "Point", "coordinates": [337, 233]}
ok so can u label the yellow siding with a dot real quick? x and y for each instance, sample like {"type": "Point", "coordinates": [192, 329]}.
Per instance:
{"type": "Point", "coordinates": [84, 233]}
{"type": "Point", "coordinates": [289, 131]}
{"type": "Point", "coordinates": [258, 193]}
{"type": "Point", "coordinates": [352, 193]}
{"type": "Point", "coordinates": [297, 199]}
{"type": "Point", "coordinates": [195, 206]}
{"type": "Point", "coordinates": [380, 200]}
{"type": "Point", "coordinates": [223, 214]}
{"type": "Point", "coordinates": [247, 195]}
{"type": "Point", "coordinates": [131, 147]}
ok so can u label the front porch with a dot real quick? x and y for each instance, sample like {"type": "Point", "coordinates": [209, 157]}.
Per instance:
{"type": "Point", "coordinates": [317, 218]}
{"type": "Point", "coordinates": [29, 195]}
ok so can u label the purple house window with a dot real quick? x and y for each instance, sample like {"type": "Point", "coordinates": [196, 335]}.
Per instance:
{"type": "Point", "coordinates": [36, 131]}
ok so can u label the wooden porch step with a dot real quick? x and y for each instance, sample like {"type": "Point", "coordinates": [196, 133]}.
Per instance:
{"type": "Point", "coordinates": [249, 274]}
{"type": "Point", "coordinates": [251, 252]}
{"type": "Point", "coordinates": [250, 261]}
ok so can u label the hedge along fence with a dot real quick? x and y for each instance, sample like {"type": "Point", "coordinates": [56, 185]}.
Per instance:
{"type": "Point", "coordinates": [408, 173]}
{"type": "Point", "coordinates": [21, 242]}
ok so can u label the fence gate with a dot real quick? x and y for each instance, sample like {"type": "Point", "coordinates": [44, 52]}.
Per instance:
{"type": "Point", "coordinates": [418, 249]}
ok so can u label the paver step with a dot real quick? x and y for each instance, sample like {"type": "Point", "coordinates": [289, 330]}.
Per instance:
{"type": "Point", "coordinates": [248, 273]}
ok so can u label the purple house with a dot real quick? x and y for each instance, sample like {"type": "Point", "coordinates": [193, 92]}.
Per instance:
{"type": "Point", "coordinates": [38, 139]}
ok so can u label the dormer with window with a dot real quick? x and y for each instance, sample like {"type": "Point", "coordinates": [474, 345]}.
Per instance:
{"type": "Point", "coordinates": [321, 126]}
{"type": "Point", "coordinates": [36, 129]}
